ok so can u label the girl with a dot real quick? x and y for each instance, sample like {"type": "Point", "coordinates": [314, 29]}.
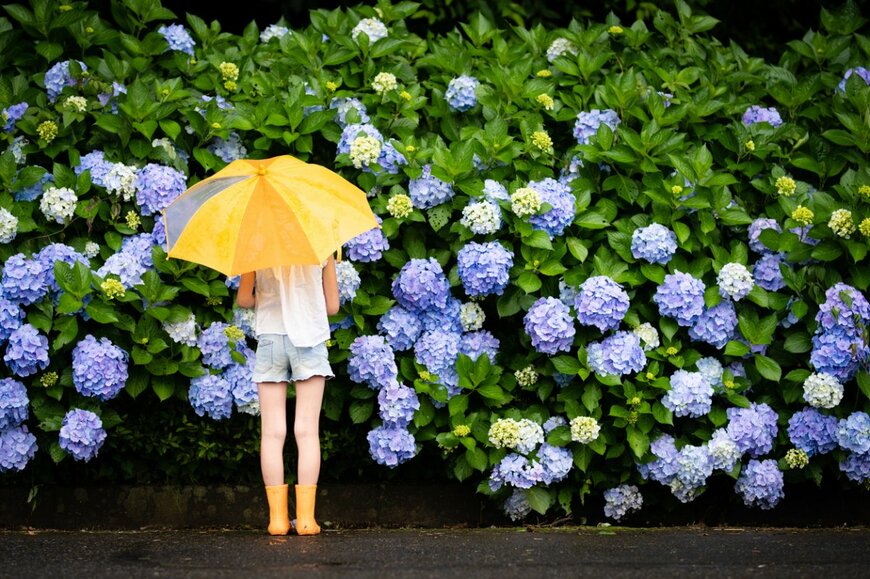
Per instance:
{"type": "Point", "coordinates": [292, 304]}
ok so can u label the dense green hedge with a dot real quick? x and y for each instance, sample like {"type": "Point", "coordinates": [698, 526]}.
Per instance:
{"type": "Point", "coordinates": [680, 156]}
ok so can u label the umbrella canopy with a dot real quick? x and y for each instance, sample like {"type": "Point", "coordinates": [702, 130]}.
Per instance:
{"type": "Point", "coordinates": [254, 214]}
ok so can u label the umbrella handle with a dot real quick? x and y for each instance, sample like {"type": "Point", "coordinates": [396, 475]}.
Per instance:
{"type": "Point", "coordinates": [335, 237]}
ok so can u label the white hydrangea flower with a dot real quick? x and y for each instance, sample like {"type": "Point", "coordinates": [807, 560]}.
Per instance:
{"type": "Point", "coordinates": [822, 390]}
{"type": "Point", "coordinates": [92, 249]}
{"type": "Point", "coordinates": [183, 332]}
{"type": "Point", "coordinates": [525, 201]}
{"type": "Point", "coordinates": [8, 226]}
{"type": "Point", "coordinates": [167, 145]}
{"type": "Point", "coordinates": [76, 104]}
{"type": "Point", "coordinates": [711, 369]}
{"type": "Point", "coordinates": [481, 218]}
{"type": "Point", "coordinates": [121, 181]}
{"type": "Point", "coordinates": [471, 316]}
{"type": "Point", "coordinates": [504, 433]}
{"type": "Point", "coordinates": [530, 435]}
{"type": "Point", "coordinates": [559, 47]}
{"type": "Point", "coordinates": [348, 280]}
{"type": "Point", "coordinates": [252, 407]}
{"type": "Point", "coordinates": [384, 82]}
{"type": "Point", "coordinates": [841, 223]}
{"type": "Point", "coordinates": [17, 148]}
{"type": "Point", "coordinates": [273, 31]}
{"type": "Point", "coordinates": [374, 29]}
{"type": "Point", "coordinates": [648, 335]}
{"type": "Point", "coordinates": [735, 281]}
{"type": "Point", "coordinates": [723, 451]}
{"type": "Point", "coordinates": [584, 429]}
{"type": "Point", "coordinates": [58, 204]}
{"type": "Point", "coordinates": [364, 150]}
{"type": "Point", "coordinates": [526, 377]}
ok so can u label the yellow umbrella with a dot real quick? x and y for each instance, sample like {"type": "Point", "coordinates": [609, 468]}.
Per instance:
{"type": "Point", "coordinates": [254, 214]}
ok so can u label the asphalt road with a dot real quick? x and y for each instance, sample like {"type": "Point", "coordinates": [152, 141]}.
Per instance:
{"type": "Point", "coordinates": [419, 553]}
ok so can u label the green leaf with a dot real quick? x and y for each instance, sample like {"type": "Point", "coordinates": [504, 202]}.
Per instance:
{"type": "Point", "coordinates": [768, 368]}
{"type": "Point", "coordinates": [361, 410]}
{"type": "Point", "coordinates": [661, 414]}
{"type": "Point", "coordinates": [477, 458]}
{"type": "Point", "coordinates": [637, 441]}
{"type": "Point", "coordinates": [564, 364]}
{"type": "Point", "coordinates": [539, 498]}
{"type": "Point", "coordinates": [163, 388]}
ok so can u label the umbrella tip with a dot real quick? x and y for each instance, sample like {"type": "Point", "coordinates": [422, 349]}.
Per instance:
{"type": "Point", "coordinates": [261, 170]}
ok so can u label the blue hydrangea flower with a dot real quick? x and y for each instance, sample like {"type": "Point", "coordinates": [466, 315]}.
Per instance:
{"type": "Point", "coordinates": [621, 500]}
{"type": "Point", "coordinates": [348, 280]}
{"type": "Point", "coordinates": [397, 404]}
{"type": "Point", "coordinates": [680, 296]}
{"type": "Point", "coordinates": [711, 369]}
{"type": "Point", "coordinates": [587, 123]}
{"type": "Point", "coordinates": [215, 346]}
{"type": "Point", "coordinates": [837, 352]}
{"type": "Point", "coordinates": [859, 71]}
{"type": "Point", "coordinates": [853, 433]}
{"type": "Point", "coordinates": [111, 97]}
{"type": "Point", "coordinates": [691, 394]}
{"type": "Point", "coordinates": [241, 383]}
{"type": "Point", "coordinates": [654, 243]}
{"type": "Point", "coordinates": [34, 192]}
{"type": "Point", "coordinates": [571, 171]}
{"type": "Point", "coordinates": [857, 467]}
{"type": "Point", "coordinates": [127, 266]}
{"type": "Point", "coordinates": [460, 93]}
{"type": "Point", "coordinates": [556, 462]}
{"type": "Point", "coordinates": [437, 350]}
{"type": "Point", "coordinates": [760, 484]}
{"type": "Point", "coordinates": [836, 313]}
{"type": "Point", "coordinates": [390, 159]}
{"type": "Point", "coordinates": [157, 186]}
{"type": "Point", "coordinates": [755, 229]}
{"type": "Point", "coordinates": [553, 423]}
{"type": "Point", "coordinates": [99, 368]}
{"type": "Point", "coordinates": [178, 38]}
{"type": "Point", "coordinates": [273, 31]}
{"type": "Point", "coordinates": [601, 302]}
{"type": "Point", "coordinates": [494, 191]}
{"type": "Point", "coordinates": [447, 318]}
{"type": "Point", "coordinates": [400, 327]}
{"type": "Point", "coordinates": [26, 351]}
{"type": "Point", "coordinates": [759, 114]}
{"type": "Point", "coordinates": [95, 162]}
{"type": "Point", "coordinates": [211, 395]}
{"type": "Point", "coordinates": [369, 246]}
{"type": "Point", "coordinates": [517, 506]}
{"type": "Point", "coordinates": [428, 191]}
{"type": "Point", "coordinates": [17, 447]}
{"type": "Point", "coordinates": [715, 325]}
{"type": "Point", "coordinates": [813, 432]}
{"type": "Point", "coordinates": [58, 76]}
{"type": "Point", "coordinates": [618, 354]}
{"type": "Point", "coordinates": [228, 150]}
{"type": "Point", "coordinates": [694, 467]}
{"type": "Point", "coordinates": [734, 281]}
{"type": "Point", "coordinates": [753, 429]}
{"type": "Point", "coordinates": [13, 114]}
{"type": "Point", "coordinates": [372, 362]}
{"type": "Point", "coordinates": [484, 268]}
{"type": "Point", "coordinates": [82, 434]}
{"type": "Point", "coordinates": [663, 468]}
{"type": "Point", "coordinates": [421, 285]}
{"type": "Point", "coordinates": [767, 272]}
{"type": "Point", "coordinates": [23, 280]}
{"type": "Point", "coordinates": [391, 445]}
{"type": "Point", "coordinates": [344, 105]}
{"type": "Point", "coordinates": [54, 252]}
{"type": "Point", "coordinates": [550, 326]}
{"type": "Point", "coordinates": [13, 403]}
{"type": "Point", "coordinates": [561, 214]}
{"type": "Point", "coordinates": [474, 344]}
{"type": "Point", "coordinates": [723, 451]}
{"type": "Point", "coordinates": [11, 316]}
{"type": "Point", "coordinates": [516, 470]}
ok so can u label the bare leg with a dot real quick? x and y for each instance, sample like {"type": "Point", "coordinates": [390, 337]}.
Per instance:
{"type": "Point", "coordinates": [306, 427]}
{"type": "Point", "coordinates": [273, 422]}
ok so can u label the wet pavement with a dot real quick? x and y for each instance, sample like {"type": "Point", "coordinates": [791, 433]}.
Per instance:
{"type": "Point", "coordinates": [420, 553]}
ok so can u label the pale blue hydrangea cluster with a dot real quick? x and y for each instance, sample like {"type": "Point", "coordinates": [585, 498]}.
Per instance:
{"type": "Point", "coordinates": [839, 346]}
{"type": "Point", "coordinates": [460, 93]}
{"type": "Point", "coordinates": [17, 447]}
{"type": "Point", "coordinates": [755, 229]}
{"type": "Point", "coordinates": [369, 246]}
{"type": "Point", "coordinates": [859, 71]}
{"type": "Point", "coordinates": [693, 468]}
{"type": "Point", "coordinates": [11, 317]}
{"type": "Point", "coordinates": [476, 343]}
{"type": "Point", "coordinates": [26, 351]}
{"type": "Point", "coordinates": [587, 123]}
{"type": "Point", "coordinates": [13, 403]}
{"type": "Point", "coordinates": [759, 114]}
{"type": "Point", "coordinates": [735, 281]}
{"type": "Point", "coordinates": [178, 38]}
{"type": "Point", "coordinates": [82, 434]}
{"type": "Point", "coordinates": [342, 106]}
{"type": "Point", "coordinates": [853, 433]}
{"type": "Point", "coordinates": [97, 166]}
{"type": "Point", "coordinates": [55, 252]}
{"type": "Point", "coordinates": [245, 319]}
{"type": "Point", "coordinates": [517, 506]}
{"type": "Point", "coordinates": [273, 31]}
{"type": "Point", "coordinates": [691, 394]}
{"type": "Point", "coordinates": [157, 186]}
{"type": "Point", "coordinates": [110, 98]}
{"type": "Point", "coordinates": [482, 217]}
{"type": "Point", "coordinates": [822, 390]}
{"type": "Point", "coordinates": [391, 445]}
{"type": "Point", "coordinates": [372, 27]}
{"type": "Point", "coordinates": [483, 268]}
{"type": "Point", "coordinates": [654, 243]}
{"type": "Point", "coordinates": [663, 468]}
{"type": "Point", "coordinates": [99, 368]}
{"type": "Point", "coordinates": [553, 423]}
{"type": "Point", "coordinates": [753, 429]}
{"type": "Point", "coordinates": [397, 404]}
{"type": "Point", "coordinates": [856, 467]}
{"type": "Point", "coordinates": [621, 500]}
{"type": "Point", "coordinates": [34, 191]}
{"type": "Point", "coordinates": [616, 355]}
{"type": "Point", "coordinates": [517, 471]}
{"type": "Point", "coordinates": [421, 285]}
{"type": "Point", "coordinates": [560, 47]}
{"type": "Point", "coordinates": [215, 346]}
{"type": "Point", "coordinates": [427, 190]}
{"type": "Point", "coordinates": [767, 272]}
{"type": "Point", "coordinates": [567, 293]}
{"type": "Point", "coordinates": [556, 462]}
{"type": "Point", "coordinates": [242, 385]}
{"type": "Point", "coordinates": [13, 114]}
{"type": "Point", "coordinates": [601, 302]}
{"type": "Point", "coordinates": [400, 327]}
{"type": "Point", "coordinates": [562, 211]}
{"type": "Point", "coordinates": [58, 77]}
{"type": "Point", "coordinates": [437, 351]}
{"type": "Point", "coordinates": [348, 280]}
{"type": "Point", "coordinates": [715, 325]}
{"type": "Point", "coordinates": [760, 484]}
{"type": "Point", "coordinates": [723, 451]}
{"type": "Point", "coordinates": [128, 265]}
{"type": "Point", "coordinates": [230, 149]}
{"type": "Point", "coordinates": [680, 296]}
{"type": "Point", "coordinates": [495, 191]}
{"type": "Point", "coordinates": [24, 281]}
{"type": "Point", "coordinates": [444, 318]}
{"type": "Point", "coordinates": [550, 326]}
{"type": "Point", "coordinates": [711, 369]}
{"type": "Point", "coordinates": [813, 432]}
{"type": "Point", "coordinates": [211, 395]}
{"type": "Point", "coordinates": [372, 362]}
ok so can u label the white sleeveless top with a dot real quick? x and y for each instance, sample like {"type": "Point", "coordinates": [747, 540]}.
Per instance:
{"type": "Point", "coordinates": [290, 301]}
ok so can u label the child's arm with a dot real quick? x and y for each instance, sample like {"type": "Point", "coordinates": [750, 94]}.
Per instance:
{"type": "Point", "coordinates": [330, 287]}
{"type": "Point", "coordinates": [245, 296]}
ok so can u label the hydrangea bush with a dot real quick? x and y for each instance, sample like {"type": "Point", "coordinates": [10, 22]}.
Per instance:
{"type": "Point", "coordinates": [608, 263]}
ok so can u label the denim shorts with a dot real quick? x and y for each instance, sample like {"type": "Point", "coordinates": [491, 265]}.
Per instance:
{"type": "Point", "coordinates": [280, 361]}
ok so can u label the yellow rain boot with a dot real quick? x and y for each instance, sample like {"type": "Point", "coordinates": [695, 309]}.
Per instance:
{"type": "Point", "coordinates": [279, 518]}
{"type": "Point", "coordinates": [305, 523]}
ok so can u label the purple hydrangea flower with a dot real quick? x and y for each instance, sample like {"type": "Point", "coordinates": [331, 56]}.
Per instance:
{"type": "Point", "coordinates": [397, 404]}
{"type": "Point", "coordinates": [369, 246]}
{"type": "Point", "coordinates": [17, 447]}
{"type": "Point", "coordinates": [561, 214]}
{"type": "Point", "coordinates": [484, 268]}
{"type": "Point", "coordinates": [51, 254]}
{"type": "Point", "coordinates": [694, 467]}
{"type": "Point", "coordinates": [95, 162]}
{"type": "Point", "coordinates": [390, 159]}
{"type": "Point", "coordinates": [550, 326]}
{"type": "Point", "coordinates": [99, 368]}
{"type": "Point", "coordinates": [556, 462]}
{"type": "Point", "coordinates": [82, 434]}
{"type": "Point", "coordinates": [348, 279]}
{"type": "Point", "coordinates": [215, 346]}
{"type": "Point", "coordinates": [853, 433]}
{"type": "Point", "coordinates": [372, 362]}
{"type": "Point", "coordinates": [716, 325]}
{"type": "Point", "coordinates": [813, 432]}
{"type": "Point", "coordinates": [239, 377]}
{"type": "Point", "coordinates": [428, 191]}
{"type": "Point", "coordinates": [760, 484]}
{"type": "Point", "coordinates": [618, 354]}
{"type": "Point", "coordinates": [437, 350]}
{"type": "Point", "coordinates": [354, 130]}
{"type": "Point", "coordinates": [27, 351]}
{"type": "Point", "coordinates": [516, 470]}
{"type": "Point", "coordinates": [421, 285]}
{"type": "Point", "coordinates": [13, 114]}
{"type": "Point", "coordinates": [517, 506]}
{"type": "Point", "coordinates": [767, 272]}
{"type": "Point", "coordinates": [494, 191]}
{"type": "Point", "coordinates": [23, 280]}
{"type": "Point", "coordinates": [587, 123]}
{"type": "Point", "coordinates": [837, 352]}
{"type": "Point", "coordinates": [759, 114]}
{"type": "Point", "coordinates": [601, 302]}
{"type": "Point", "coordinates": [13, 403]}
{"type": "Point", "coordinates": [460, 93]}
{"type": "Point", "coordinates": [211, 395]}
{"type": "Point", "coordinates": [691, 394]}
{"type": "Point", "coordinates": [391, 445]}
{"type": "Point", "coordinates": [157, 186]}
{"type": "Point", "coordinates": [753, 429]}
{"type": "Point", "coordinates": [400, 327]}
{"type": "Point", "coordinates": [58, 76]}
{"type": "Point", "coordinates": [553, 423]}
{"type": "Point", "coordinates": [473, 344]}
{"type": "Point", "coordinates": [228, 150]}
{"type": "Point", "coordinates": [844, 307]}
{"type": "Point", "coordinates": [857, 467]}
{"type": "Point", "coordinates": [126, 266]}
{"type": "Point", "coordinates": [755, 229]}
{"type": "Point", "coordinates": [680, 296]}
{"type": "Point", "coordinates": [654, 243]}
{"type": "Point", "coordinates": [445, 318]}
{"type": "Point", "coordinates": [106, 97]}
{"type": "Point", "coordinates": [665, 466]}
{"type": "Point", "coordinates": [11, 316]}
{"type": "Point", "coordinates": [178, 38]}
{"type": "Point", "coordinates": [621, 500]}
{"type": "Point", "coordinates": [859, 71]}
